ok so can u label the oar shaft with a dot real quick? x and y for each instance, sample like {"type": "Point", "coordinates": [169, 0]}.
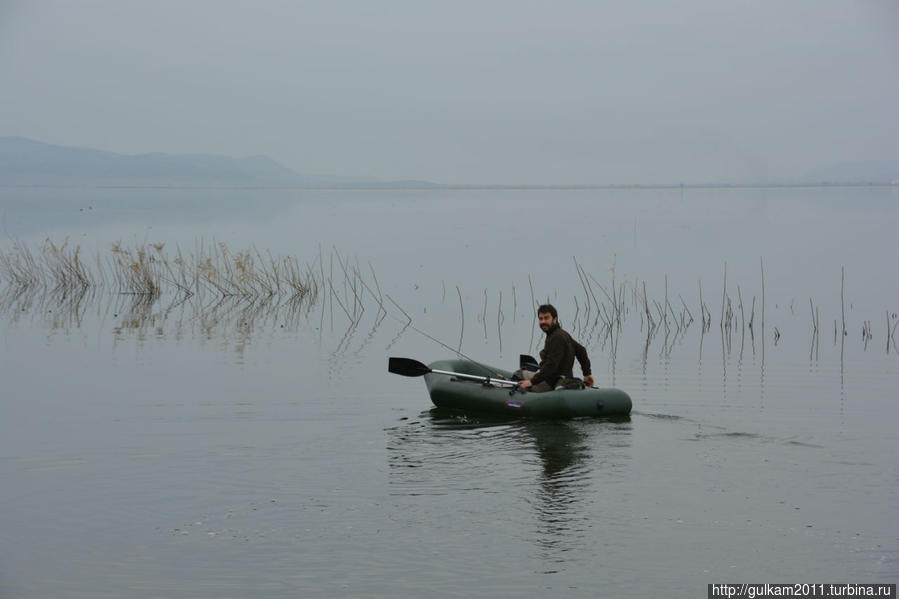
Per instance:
{"type": "Point", "coordinates": [475, 377]}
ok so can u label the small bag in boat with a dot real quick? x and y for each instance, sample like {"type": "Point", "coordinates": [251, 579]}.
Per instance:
{"type": "Point", "coordinates": [569, 382]}
{"type": "Point", "coordinates": [523, 374]}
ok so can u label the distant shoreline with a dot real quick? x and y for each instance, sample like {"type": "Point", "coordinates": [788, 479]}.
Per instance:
{"type": "Point", "coordinates": [439, 187]}
{"type": "Point", "coordinates": [26, 163]}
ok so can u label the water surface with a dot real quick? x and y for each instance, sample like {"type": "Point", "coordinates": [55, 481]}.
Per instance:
{"type": "Point", "coordinates": [232, 448]}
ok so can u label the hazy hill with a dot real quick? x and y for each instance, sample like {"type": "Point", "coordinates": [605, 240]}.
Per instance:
{"type": "Point", "coordinates": [28, 162]}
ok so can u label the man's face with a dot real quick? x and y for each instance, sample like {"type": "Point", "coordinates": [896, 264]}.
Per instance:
{"type": "Point", "coordinates": [546, 320]}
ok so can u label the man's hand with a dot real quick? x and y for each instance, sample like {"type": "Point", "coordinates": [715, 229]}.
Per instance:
{"type": "Point", "coordinates": [524, 384]}
{"type": "Point", "coordinates": [588, 380]}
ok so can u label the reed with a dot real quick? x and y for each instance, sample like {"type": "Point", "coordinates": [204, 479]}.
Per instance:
{"type": "Point", "coordinates": [65, 266]}
{"type": "Point", "coordinates": [148, 270]}
{"type": "Point", "coordinates": [762, 266]}
{"type": "Point", "coordinates": [462, 315]}
{"type": "Point", "coordinates": [533, 307]}
{"type": "Point", "coordinates": [811, 306]}
{"type": "Point", "coordinates": [893, 332]}
{"type": "Point", "coordinates": [20, 267]}
{"type": "Point", "coordinates": [752, 313]}
{"type": "Point", "coordinates": [499, 321]}
{"type": "Point", "coordinates": [867, 334]}
{"type": "Point", "coordinates": [842, 300]}
{"type": "Point", "coordinates": [514, 303]}
{"type": "Point", "coordinates": [223, 285]}
{"type": "Point", "coordinates": [723, 295]}
{"type": "Point", "coordinates": [335, 295]}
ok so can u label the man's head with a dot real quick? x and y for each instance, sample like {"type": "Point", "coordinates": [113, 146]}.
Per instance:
{"type": "Point", "coordinates": [547, 316]}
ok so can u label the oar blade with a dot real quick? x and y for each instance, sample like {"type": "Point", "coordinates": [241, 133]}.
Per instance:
{"type": "Point", "coordinates": [406, 367]}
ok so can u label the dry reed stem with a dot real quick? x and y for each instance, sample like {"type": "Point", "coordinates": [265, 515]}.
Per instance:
{"type": "Point", "coordinates": [147, 269]}
{"type": "Point", "coordinates": [762, 266]}
{"type": "Point", "coordinates": [842, 302]}
{"type": "Point", "coordinates": [258, 278]}
{"type": "Point", "coordinates": [723, 294]}
{"type": "Point", "coordinates": [462, 314]}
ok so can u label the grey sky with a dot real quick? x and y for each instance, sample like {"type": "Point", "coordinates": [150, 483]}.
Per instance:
{"type": "Point", "coordinates": [504, 91]}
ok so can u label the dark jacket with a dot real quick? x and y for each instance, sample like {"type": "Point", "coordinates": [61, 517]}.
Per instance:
{"type": "Point", "coordinates": [557, 357]}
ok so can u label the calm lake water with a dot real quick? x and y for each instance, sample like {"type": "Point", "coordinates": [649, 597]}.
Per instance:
{"type": "Point", "coordinates": [248, 448]}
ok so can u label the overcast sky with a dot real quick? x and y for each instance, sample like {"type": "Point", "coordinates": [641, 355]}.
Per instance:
{"type": "Point", "coordinates": [503, 91]}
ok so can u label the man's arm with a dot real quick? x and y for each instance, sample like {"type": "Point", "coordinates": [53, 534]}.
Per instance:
{"type": "Point", "coordinates": [580, 352]}
{"type": "Point", "coordinates": [552, 358]}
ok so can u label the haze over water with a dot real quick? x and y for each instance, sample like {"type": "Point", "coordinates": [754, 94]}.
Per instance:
{"type": "Point", "coordinates": [208, 448]}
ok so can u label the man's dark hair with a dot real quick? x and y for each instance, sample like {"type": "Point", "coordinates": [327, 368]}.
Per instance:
{"type": "Point", "coordinates": [548, 309]}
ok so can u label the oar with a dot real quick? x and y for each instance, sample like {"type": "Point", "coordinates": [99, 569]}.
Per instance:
{"type": "Point", "coordinates": [410, 367]}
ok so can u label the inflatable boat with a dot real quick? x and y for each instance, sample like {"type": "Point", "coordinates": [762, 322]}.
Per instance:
{"type": "Point", "coordinates": [474, 387]}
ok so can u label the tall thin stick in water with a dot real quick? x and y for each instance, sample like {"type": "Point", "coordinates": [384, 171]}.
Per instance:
{"type": "Point", "coordinates": [485, 314]}
{"type": "Point", "coordinates": [534, 307]}
{"type": "Point", "coordinates": [690, 314]}
{"type": "Point", "coordinates": [592, 295]}
{"type": "Point", "coordinates": [331, 282]}
{"type": "Point", "coordinates": [580, 277]}
{"type": "Point", "coordinates": [377, 285]}
{"type": "Point", "coordinates": [723, 294]}
{"type": "Point", "coordinates": [893, 333]}
{"type": "Point", "coordinates": [577, 310]}
{"type": "Point", "coordinates": [706, 322]}
{"type": "Point", "coordinates": [752, 313]}
{"type": "Point", "coordinates": [533, 298]}
{"type": "Point", "coordinates": [337, 297]}
{"type": "Point", "coordinates": [514, 303]}
{"type": "Point", "coordinates": [462, 312]}
{"type": "Point", "coordinates": [406, 314]}
{"type": "Point", "coordinates": [842, 302]}
{"type": "Point", "coordinates": [665, 315]}
{"type": "Point", "coordinates": [817, 328]}
{"type": "Point", "coordinates": [499, 321]}
{"type": "Point", "coordinates": [321, 265]}
{"type": "Point", "coordinates": [762, 265]}
{"type": "Point", "coordinates": [812, 308]}
{"type": "Point", "coordinates": [646, 308]}
{"type": "Point", "coordinates": [369, 289]}
{"type": "Point", "coordinates": [614, 294]}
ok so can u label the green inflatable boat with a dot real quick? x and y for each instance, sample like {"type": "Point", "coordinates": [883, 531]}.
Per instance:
{"type": "Point", "coordinates": [473, 387]}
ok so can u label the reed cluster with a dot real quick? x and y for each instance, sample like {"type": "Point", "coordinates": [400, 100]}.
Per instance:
{"type": "Point", "coordinates": [219, 285]}
{"type": "Point", "coordinates": [52, 266]}
{"type": "Point", "coordinates": [602, 307]}
{"type": "Point", "coordinates": [148, 270]}
{"type": "Point", "coordinates": [210, 289]}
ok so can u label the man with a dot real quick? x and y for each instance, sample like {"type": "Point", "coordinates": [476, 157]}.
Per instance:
{"type": "Point", "coordinates": [557, 357]}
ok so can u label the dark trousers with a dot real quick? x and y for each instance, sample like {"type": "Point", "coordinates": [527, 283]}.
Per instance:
{"type": "Point", "coordinates": [542, 387]}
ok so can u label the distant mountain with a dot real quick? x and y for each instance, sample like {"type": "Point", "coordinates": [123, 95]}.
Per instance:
{"type": "Point", "coordinates": [28, 162]}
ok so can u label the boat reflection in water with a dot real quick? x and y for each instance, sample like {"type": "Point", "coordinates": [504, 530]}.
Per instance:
{"type": "Point", "coordinates": [552, 473]}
